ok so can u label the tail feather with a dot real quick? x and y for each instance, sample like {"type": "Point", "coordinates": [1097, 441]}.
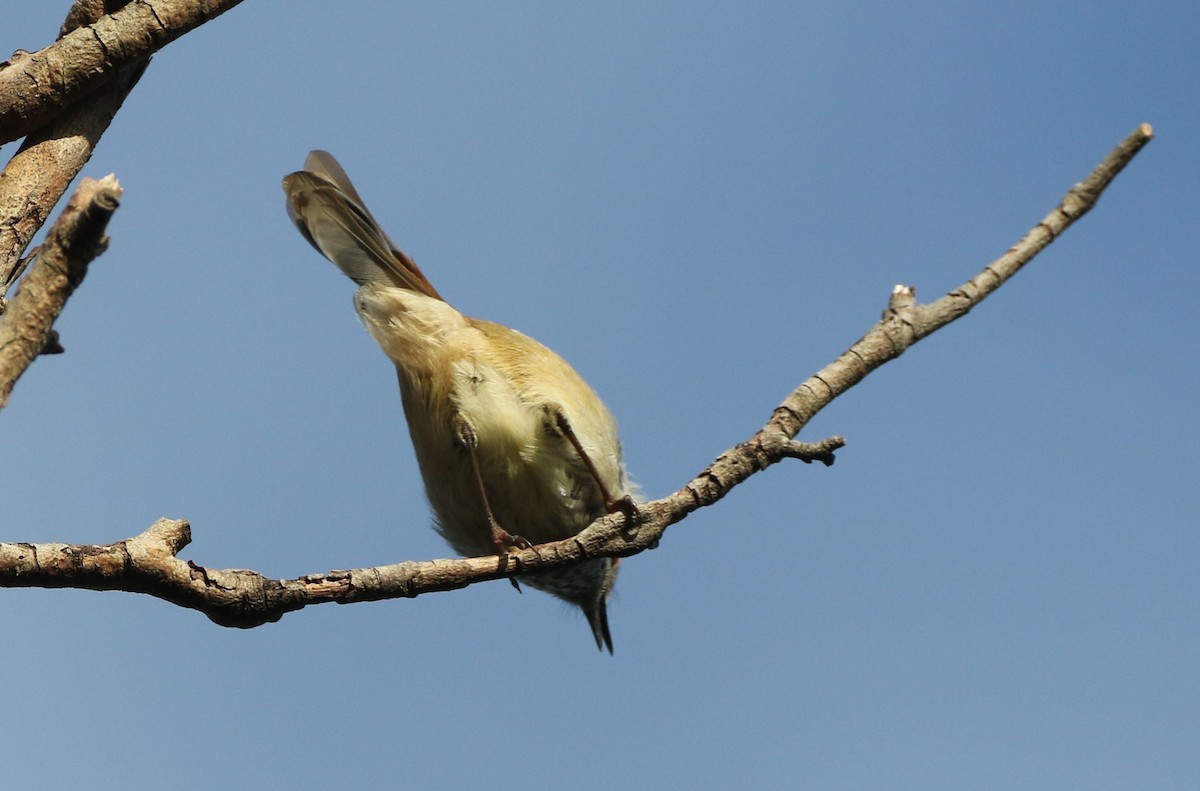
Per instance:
{"type": "Point", "coordinates": [597, 617]}
{"type": "Point", "coordinates": [332, 216]}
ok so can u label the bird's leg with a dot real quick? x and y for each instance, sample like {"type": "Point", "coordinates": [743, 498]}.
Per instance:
{"type": "Point", "coordinates": [502, 540]}
{"type": "Point", "coordinates": [560, 423]}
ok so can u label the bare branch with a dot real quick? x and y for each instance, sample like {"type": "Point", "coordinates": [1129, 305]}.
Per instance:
{"type": "Point", "coordinates": [35, 87]}
{"type": "Point", "coordinates": [149, 562]}
{"type": "Point", "coordinates": [52, 156]}
{"type": "Point", "coordinates": [1077, 202]}
{"type": "Point", "coordinates": [72, 243]}
{"type": "Point", "coordinates": [46, 164]}
{"type": "Point", "coordinates": [237, 597]}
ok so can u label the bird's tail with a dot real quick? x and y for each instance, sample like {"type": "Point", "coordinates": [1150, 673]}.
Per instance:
{"type": "Point", "coordinates": [332, 216]}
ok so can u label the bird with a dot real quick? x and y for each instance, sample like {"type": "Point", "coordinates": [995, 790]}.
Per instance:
{"type": "Point", "coordinates": [514, 447]}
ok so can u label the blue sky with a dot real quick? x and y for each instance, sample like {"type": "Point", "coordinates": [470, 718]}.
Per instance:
{"type": "Point", "coordinates": [698, 205]}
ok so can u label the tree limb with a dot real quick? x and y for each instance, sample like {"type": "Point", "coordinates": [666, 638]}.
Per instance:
{"type": "Point", "coordinates": [35, 87]}
{"type": "Point", "coordinates": [65, 96]}
{"type": "Point", "coordinates": [149, 563]}
{"type": "Point", "coordinates": [51, 157]}
{"type": "Point", "coordinates": [76, 238]}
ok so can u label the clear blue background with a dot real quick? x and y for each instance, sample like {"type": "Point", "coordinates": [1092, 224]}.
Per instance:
{"type": "Point", "coordinates": [699, 205]}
